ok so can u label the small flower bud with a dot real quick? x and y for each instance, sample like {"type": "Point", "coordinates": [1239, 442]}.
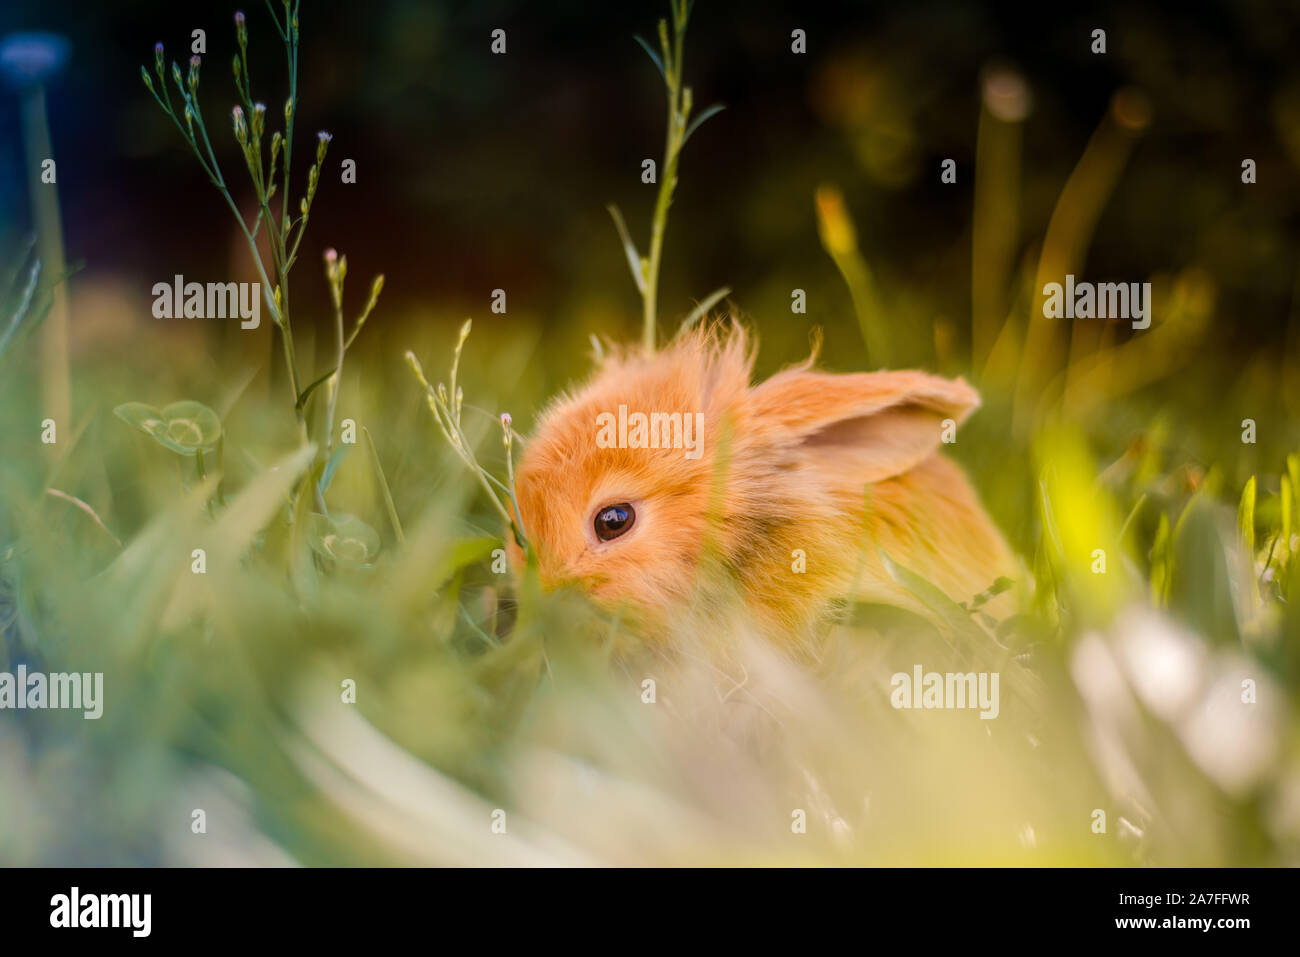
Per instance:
{"type": "Point", "coordinates": [241, 127]}
{"type": "Point", "coordinates": [193, 79]}
{"type": "Point", "coordinates": [332, 276]}
{"type": "Point", "coordinates": [235, 68]}
{"type": "Point", "coordinates": [506, 420]}
{"type": "Point", "coordinates": [322, 143]}
{"type": "Point", "coordinates": [241, 29]}
{"type": "Point", "coordinates": [176, 74]}
{"type": "Point", "coordinates": [158, 57]}
{"type": "Point", "coordinates": [259, 119]}
{"type": "Point", "coordinates": [288, 112]}
{"type": "Point", "coordinates": [833, 222]}
{"type": "Point", "coordinates": [144, 75]}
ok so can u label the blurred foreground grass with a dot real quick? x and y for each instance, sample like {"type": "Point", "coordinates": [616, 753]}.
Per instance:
{"type": "Point", "coordinates": [1121, 691]}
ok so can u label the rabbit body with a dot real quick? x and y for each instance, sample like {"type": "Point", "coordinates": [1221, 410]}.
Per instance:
{"type": "Point", "coordinates": [797, 483]}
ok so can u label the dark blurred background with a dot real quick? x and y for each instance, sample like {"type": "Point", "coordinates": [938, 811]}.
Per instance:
{"type": "Point", "coordinates": [477, 171]}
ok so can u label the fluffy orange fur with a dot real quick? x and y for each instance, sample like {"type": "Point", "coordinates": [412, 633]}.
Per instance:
{"type": "Point", "coordinates": [830, 464]}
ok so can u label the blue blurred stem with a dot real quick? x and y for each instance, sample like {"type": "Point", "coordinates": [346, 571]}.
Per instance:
{"type": "Point", "coordinates": [55, 377]}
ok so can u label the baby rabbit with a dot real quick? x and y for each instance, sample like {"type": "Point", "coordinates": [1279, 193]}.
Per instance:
{"type": "Point", "coordinates": [628, 504]}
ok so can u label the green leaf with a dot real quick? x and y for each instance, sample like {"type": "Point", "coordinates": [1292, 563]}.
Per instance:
{"type": "Point", "coordinates": [1246, 518]}
{"type": "Point", "coordinates": [696, 123]}
{"type": "Point", "coordinates": [1293, 472]}
{"type": "Point", "coordinates": [1161, 563]}
{"type": "Point", "coordinates": [629, 248]}
{"type": "Point", "coordinates": [343, 538]}
{"type": "Point", "coordinates": [476, 628]}
{"type": "Point", "coordinates": [1133, 513]}
{"type": "Point", "coordinates": [1052, 537]}
{"type": "Point", "coordinates": [184, 427]}
{"type": "Point", "coordinates": [946, 612]}
{"type": "Point", "coordinates": [306, 393]}
{"type": "Point", "coordinates": [255, 506]}
{"type": "Point", "coordinates": [336, 459]}
{"type": "Point", "coordinates": [189, 427]}
{"type": "Point", "coordinates": [140, 416]}
{"type": "Point", "coordinates": [1246, 527]}
{"type": "Point", "coordinates": [658, 61]}
{"type": "Point", "coordinates": [1287, 505]}
{"type": "Point", "coordinates": [707, 303]}
{"type": "Point", "coordinates": [383, 485]}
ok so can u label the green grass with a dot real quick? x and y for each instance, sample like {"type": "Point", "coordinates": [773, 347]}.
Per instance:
{"type": "Point", "coordinates": [477, 692]}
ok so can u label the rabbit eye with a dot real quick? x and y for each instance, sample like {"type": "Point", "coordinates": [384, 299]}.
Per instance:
{"type": "Point", "coordinates": [614, 520]}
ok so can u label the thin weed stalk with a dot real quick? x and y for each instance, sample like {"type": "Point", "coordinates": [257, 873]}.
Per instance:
{"type": "Point", "coordinates": [446, 403]}
{"type": "Point", "coordinates": [680, 127]}
{"type": "Point", "coordinates": [284, 231]}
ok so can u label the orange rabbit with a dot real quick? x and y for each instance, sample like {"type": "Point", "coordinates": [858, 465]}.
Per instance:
{"type": "Point", "coordinates": [831, 465]}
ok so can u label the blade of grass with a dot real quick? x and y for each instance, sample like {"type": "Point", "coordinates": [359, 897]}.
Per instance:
{"type": "Point", "coordinates": [383, 486]}
{"type": "Point", "coordinates": [702, 310]}
{"type": "Point", "coordinates": [634, 261]}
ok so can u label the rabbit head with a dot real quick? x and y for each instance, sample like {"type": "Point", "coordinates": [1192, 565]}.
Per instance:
{"type": "Point", "coordinates": [662, 460]}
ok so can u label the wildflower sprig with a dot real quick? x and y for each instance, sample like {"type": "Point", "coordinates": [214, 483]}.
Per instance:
{"type": "Point", "coordinates": [268, 159]}
{"type": "Point", "coordinates": [194, 131]}
{"type": "Point", "coordinates": [336, 272]}
{"type": "Point", "coordinates": [446, 403]}
{"type": "Point", "coordinates": [284, 229]}
{"type": "Point", "coordinates": [645, 270]}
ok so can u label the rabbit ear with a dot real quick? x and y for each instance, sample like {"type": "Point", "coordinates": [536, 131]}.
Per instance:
{"type": "Point", "coordinates": [869, 425]}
